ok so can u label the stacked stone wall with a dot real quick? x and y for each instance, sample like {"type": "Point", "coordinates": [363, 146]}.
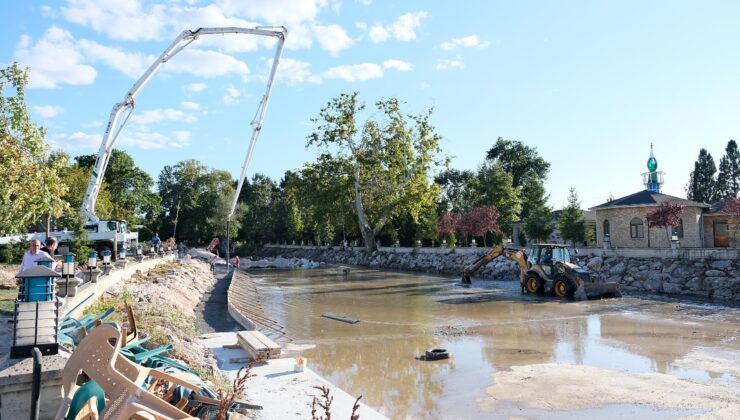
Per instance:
{"type": "Point", "coordinates": [705, 278]}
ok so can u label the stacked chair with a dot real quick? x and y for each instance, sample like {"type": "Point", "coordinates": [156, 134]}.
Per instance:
{"type": "Point", "coordinates": [110, 375]}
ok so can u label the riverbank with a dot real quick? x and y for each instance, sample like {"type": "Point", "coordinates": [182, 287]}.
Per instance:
{"type": "Point", "coordinates": [707, 278]}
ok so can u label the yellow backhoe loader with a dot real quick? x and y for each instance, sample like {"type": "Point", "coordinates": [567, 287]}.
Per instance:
{"type": "Point", "coordinates": [548, 267]}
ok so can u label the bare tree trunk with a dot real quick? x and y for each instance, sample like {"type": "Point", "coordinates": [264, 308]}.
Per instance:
{"type": "Point", "coordinates": [48, 225]}
{"type": "Point", "coordinates": [367, 232]}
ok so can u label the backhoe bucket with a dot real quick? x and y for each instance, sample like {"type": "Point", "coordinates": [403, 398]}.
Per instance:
{"type": "Point", "coordinates": [598, 291]}
{"type": "Point", "coordinates": [466, 279]}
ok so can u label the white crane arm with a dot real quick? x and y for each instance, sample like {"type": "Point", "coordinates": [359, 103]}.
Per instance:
{"type": "Point", "coordinates": [116, 124]}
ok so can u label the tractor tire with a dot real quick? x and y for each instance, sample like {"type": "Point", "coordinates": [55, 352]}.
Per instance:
{"type": "Point", "coordinates": [563, 287]}
{"type": "Point", "coordinates": [534, 284]}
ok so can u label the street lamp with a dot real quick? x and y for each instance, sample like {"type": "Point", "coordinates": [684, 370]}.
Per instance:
{"type": "Point", "coordinates": [36, 313]}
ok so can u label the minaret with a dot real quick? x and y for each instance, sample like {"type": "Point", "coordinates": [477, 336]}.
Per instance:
{"type": "Point", "coordinates": [653, 179]}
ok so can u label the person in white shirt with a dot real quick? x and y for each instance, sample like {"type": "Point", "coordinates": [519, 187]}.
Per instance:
{"type": "Point", "coordinates": [33, 254]}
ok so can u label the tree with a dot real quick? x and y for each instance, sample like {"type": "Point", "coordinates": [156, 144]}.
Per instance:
{"type": "Point", "coordinates": [537, 221]}
{"type": "Point", "coordinates": [701, 185]}
{"type": "Point", "coordinates": [388, 161]}
{"type": "Point", "coordinates": [447, 226]}
{"type": "Point", "coordinates": [129, 188]}
{"type": "Point", "coordinates": [728, 178]}
{"type": "Point", "coordinates": [732, 206]}
{"type": "Point", "coordinates": [458, 190]}
{"type": "Point", "coordinates": [667, 215]}
{"type": "Point", "coordinates": [497, 190]}
{"type": "Point", "coordinates": [24, 160]}
{"type": "Point", "coordinates": [481, 221]}
{"type": "Point", "coordinates": [571, 223]}
{"type": "Point", "coordinates": [521, 161]}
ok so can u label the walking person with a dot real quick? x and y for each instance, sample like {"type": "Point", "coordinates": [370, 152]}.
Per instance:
{"type": "Point", "coordinates": [51, 246]}
{"type": "Point", "coordinates": [155, 242]}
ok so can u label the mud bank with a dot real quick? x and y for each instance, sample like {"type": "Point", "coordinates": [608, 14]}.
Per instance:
{"type": "Point", "coordinates": [716, 279]}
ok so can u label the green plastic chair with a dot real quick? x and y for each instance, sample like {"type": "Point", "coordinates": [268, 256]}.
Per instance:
{"type": "Point", "coordinates": [83, 394]}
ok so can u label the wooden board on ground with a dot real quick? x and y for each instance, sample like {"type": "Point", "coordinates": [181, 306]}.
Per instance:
{"type": "Point", "coordinates": [257, 345]}
{"type": "Point", "coordinates": [340, 318]}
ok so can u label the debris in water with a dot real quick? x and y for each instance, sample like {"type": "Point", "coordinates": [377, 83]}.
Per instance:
{"type": "Point", "coordinates": [341, 318]}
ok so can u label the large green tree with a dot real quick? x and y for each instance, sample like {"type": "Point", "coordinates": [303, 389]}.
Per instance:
{"type": "Point", "coordinates": [28, 191]}
{"type": "Point", "coordinates": [129, 188]}
{"type": "Point", "coordinates": [458, 190]}
{"type": "Point", "coordinates": [388, 159]}
{"type": "Point", "coordinates": [702, 184]}
{"type": "Point", "coordinates": [198, 198]}
{"type": "Point", "coordinates": [571, 222]}
{"type": "Point", "coordinates": [524, 164]}
{"type": "Point", "coordinates": [728, 178]}
{"type": "Point", "coordinates": [537, 224]}
{"type": "Point", "coordinates": [497, 189]}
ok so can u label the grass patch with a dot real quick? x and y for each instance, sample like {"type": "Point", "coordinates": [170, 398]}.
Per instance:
{"type": "Point", "coordinates": [7, 300]}
{"type": "Point", "coordinates": [108, 301]}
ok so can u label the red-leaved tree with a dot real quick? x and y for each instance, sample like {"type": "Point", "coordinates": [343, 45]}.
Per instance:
{"type": "Point", "coordinates": [447, 224]}
{"type": "Point", "coordinates": [732, 206]}
{"type": "Point", "coordinates": [481, 221]}
{"type": "Point", "coordinates": [667, 215]}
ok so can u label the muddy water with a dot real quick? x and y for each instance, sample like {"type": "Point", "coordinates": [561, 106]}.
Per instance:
{"type": "Point", "coordinates": [487, 328]}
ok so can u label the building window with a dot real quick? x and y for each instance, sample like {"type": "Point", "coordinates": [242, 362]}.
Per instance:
{"type": "Point", "coordinates": [636, 228]}
{"type": "Point", "coordinates": [678, 230]}
{"type": "Point", "coordinates": [606, 227]}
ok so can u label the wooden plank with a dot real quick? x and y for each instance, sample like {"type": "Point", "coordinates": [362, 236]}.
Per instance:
{"type": "Point", "coordinates": [254, 346]}
{"type": "Point", "coordinates": [340, 318]}
{"type": "Point", "coordinates": [31, 306]}
{"type": "Point", "coordinates": [272, 347]}
{"type": "Point", "coordinates": [32, 315]}
{"type": "Point", "coordinates": [30, 323]}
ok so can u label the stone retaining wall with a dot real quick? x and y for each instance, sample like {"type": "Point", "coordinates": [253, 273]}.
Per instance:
{"type": "Point", "coordinates": [706, 278]}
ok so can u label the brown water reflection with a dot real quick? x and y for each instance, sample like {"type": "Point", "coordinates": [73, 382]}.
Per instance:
{"type": "Point", "coordinates": [486, 328]}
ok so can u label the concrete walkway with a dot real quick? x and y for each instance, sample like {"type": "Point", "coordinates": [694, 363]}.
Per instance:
{"type": "Point", "coordinates": [282, 392]}
{"type": "Point", "coordinates": [212, 312]}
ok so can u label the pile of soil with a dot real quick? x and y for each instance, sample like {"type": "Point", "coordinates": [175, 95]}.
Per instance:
{"type": "Point", "coordinates": [164, 300]}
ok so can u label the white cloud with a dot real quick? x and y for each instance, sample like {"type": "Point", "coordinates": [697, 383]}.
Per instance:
{"type": "Point", "coordinates": [275, 11]}
{"type": "Point", "coordinates": [93, 124]}
{"type": "Point", "coordinates": [206, 64]}
{"type": "Point", "coordinates": [148, 140]}
{"type": "Point", "coordinates": [470, 41]}
{"type": "Point", "coordinates": [379, 34]}
{"type": "Point", "coordinates": [293, 72]}
{"type": "Point", "coordinates": [398, 65]}
{"type": "Point", "coordinates": [54, 60]}
{"type": "Point", "coordinates": [361, 26]}
{"type": "Point", "coordinates": [190, 106]}
{"type": "Point", "coordinates": [355, 72]}
{"type": "Point", "coordinates": [212, 16]}
{"type": "Point", "coordinates": [449, 64]}
{"type": "Point", "coordinates": [196, 87]}
{"type": "Point", "coordinates": [123, 20]}
{"type": "Point", "coordinates": [76, 140]}
{"type": "Point", "coordinates": [132, 65]}
{"type": "Point", "coordinates": [232, 95]}
{"type": "Point", "coordinates": [48, 12]}
{"type": "Point", "coordinates": [403, 29]}
{"type": "Point", "coordinates": [153, 116]}
{"type": "Point", "coordinates": [424, 85]}
{"type": "Point", "coordinates": [364, 2]}
{"type": "Point", "coordinates": [47, 111]}
{"type": "Point", "coordinates": [332, 38]}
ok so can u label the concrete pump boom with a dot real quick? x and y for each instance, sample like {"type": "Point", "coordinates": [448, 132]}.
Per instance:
{"type": "Point", "coordinates": [116, 124]}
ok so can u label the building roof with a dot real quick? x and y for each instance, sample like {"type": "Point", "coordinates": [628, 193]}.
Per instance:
{"type": "Point", "coordinates": [647, 198]}
{"type": "Point", "coordinates": [718, 207]}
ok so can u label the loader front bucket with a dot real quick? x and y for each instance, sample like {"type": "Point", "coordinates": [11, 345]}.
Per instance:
{"type": "Point", "coordinates": [598, 290]}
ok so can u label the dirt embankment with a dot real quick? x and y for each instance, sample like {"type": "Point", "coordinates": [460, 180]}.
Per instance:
{"type": "Point", "coordinates": [164, 301]}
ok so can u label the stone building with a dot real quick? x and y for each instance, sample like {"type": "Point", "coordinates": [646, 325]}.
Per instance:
{"type": "Point", "coordinates": [622, 222]}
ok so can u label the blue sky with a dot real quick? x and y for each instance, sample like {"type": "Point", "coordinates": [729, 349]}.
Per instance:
{"type": "Point", "coordinates": [590, 84]}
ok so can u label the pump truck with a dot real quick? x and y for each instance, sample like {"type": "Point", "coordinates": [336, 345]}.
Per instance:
{"type": "Point", "coordinates": [548, 267]}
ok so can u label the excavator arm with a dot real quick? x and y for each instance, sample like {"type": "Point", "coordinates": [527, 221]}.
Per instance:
{"type": "Point", "coordinates": [516, 255]}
